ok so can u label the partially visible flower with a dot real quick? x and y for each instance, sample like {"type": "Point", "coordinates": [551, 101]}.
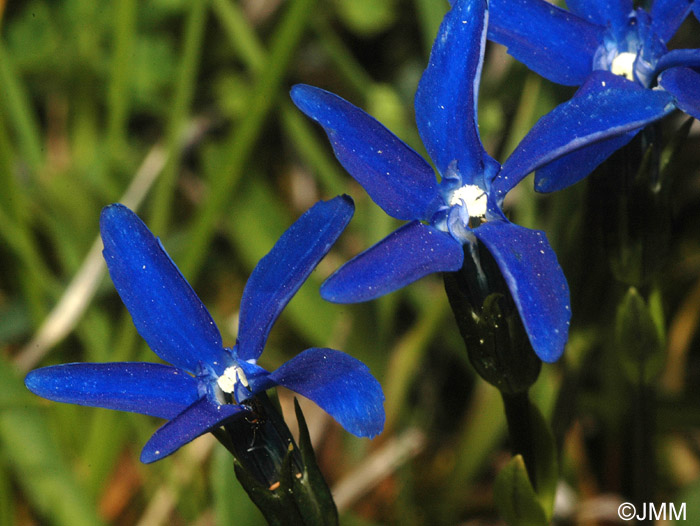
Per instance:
{"type": "Point", "coordinates": [613, 52]}
{"type": "Point", "coordinates": [446, 218]}
{"type": "Point", "coordinates": [208, 383]}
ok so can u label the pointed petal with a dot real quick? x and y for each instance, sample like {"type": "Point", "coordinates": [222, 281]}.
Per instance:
{"type": "Point", "coordinates": [166, 311]}
{"type": "Point", "coordinates": [569, 169]}
{"type": "Point", "coordinates": [684, 85]}
{"type": "Point", "coordinates": [393, 174]}
{"type": "Point", "coordinates": [667, 16]}
{"type": "Point", "coordinates": [146, 388]}
{"type": "Point", "coordinates": [600, 113]}
{"type": "Point", "coordinates": [411, 252]}
{"type": "Point", "coordinates": [536, 282]}
{"type": "Point", "coordinates": [448, 90]}
{"type": "Point", "coordinates": [278, 275]}
{"type": "Point", "coordinates": [613, 13]}
{"type": "Point", "coordinates": [341, 385]}
{"type": "Point", "coordinates": [551, 41]}
{"type": "Point", "coordinates": [200, 417]}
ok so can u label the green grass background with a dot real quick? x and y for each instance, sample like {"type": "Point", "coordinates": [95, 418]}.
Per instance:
{"type": "Point", "coordinates": [181, 110]}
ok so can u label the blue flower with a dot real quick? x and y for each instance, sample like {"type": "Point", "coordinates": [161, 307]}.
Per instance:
{"type": "Point", "coordinates": [448, 217]}
{"type": "Point", "coordinates": [617, 55]}
{"type": "Point", "coordinates": [208, 382]}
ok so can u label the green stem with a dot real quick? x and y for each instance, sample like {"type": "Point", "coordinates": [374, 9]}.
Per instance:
{"type": "Point", "coordinates": [643, 469]}
{"type": "Point", "coordinates": [520, 430]}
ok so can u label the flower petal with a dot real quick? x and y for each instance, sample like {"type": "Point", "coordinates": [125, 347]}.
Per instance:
{"type": "Point", "coordinates": [679, 58]}
{"type": "Point", "coordinates": [166, 311]}
{"type": "Point", "coordinates": [571, 168]}
{"type": "Point", "coordinates": [448, 90]}
{"type": "Point", "coordinates": [536, 282]}
{"type": "Point", "coordinates": [200, 417]}
{"type": "Point", "coordinates": [399, 180]}
{"type": "Point", "coordinates": [406, 255]}
{"type": "Point", "coordinates": [684, 85]}
{"type": "Point", "coordinates": [278, 275]}
{"type": "Point", "coordinates": [146, 388]}
{"type": "Point", "coordinates": [601, 113]}
{"type": "Point", "coordinates": [341, 385]}
{"type": "Point", "coordinates": [612, 13]}
{"type": "Point", "coordinates": [551, 41]}
{"type": "Point", "coordinates": [667, 16]}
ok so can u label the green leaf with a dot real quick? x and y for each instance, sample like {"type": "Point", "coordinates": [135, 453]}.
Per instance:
{"type": "Point", "coordinates": [637, 338]}
{"type": "Point", "coordinates": [311, 492]}
{"type": "Point", "coordinates": [516, 500]}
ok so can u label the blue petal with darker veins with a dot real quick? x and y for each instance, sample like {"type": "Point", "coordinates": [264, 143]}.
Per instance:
{"type": "Point", "coordinates": [278, 276]}
{"type": "Point", "coordinates": [667, 16]}
{"type": "Point", "coordinates": [601, 113]}
{"type": "Point", "coordinates": [606, 13]}
{"type": "Point", "coordinates": [166, 311]}
{"type": "Point", "coordinates": [341, 385]}
{"type": "Point", "coordinates": [147, 388]}
{"type": "Point", "coordinates": [199, 418]}
{"type": "Point", "coordinates": [551, 41]}
{"type": "Point", "coordinates": [406, 255]}
{"type": "Point", "coordinates": [571, 168]}
{"type": "Point", "coordinates": [399, 180]}
{"type": "Point", "coordinates": [447, 94]}
{"type": "Point", "coordinates": [684, 85]}
{"type": "Point", "coordinates": [536, 282]}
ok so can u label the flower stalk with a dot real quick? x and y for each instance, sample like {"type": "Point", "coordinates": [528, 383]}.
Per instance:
{"type": "Point", "coordinates": [497, 343]}
{"type": "Point", "coordinates": [281, 478]}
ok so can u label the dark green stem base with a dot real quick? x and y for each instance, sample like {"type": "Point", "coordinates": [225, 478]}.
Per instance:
{"type": "Point", "coordinates": [520, 430]}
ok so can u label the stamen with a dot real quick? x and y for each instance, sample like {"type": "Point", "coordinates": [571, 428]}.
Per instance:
{"type": "Point", "coordinates": [623, 65]}
{"type": "Point", "coordinates": [232, 375]}
{"type": "Point", "coordinates": [473, 197]}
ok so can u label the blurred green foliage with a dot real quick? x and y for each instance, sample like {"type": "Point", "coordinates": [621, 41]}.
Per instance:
{"type": "Point", "coordinates": [181, 109]}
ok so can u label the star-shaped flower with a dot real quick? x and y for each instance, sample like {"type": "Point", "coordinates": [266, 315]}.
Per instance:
{"type": "Point", "coordinates": [616, 54]}
{"type": "Point", "coordinates": [208, 382]}
{"type": "Point", "coordinates": [447, 217]}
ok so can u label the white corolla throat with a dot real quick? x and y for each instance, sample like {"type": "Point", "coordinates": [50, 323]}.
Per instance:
{"type": "Point", "coordinates": [623, 65]}
{"type": "Point", "coordinates": [232, 375]}
{"type": "Point", "coordinates": [473, 197]}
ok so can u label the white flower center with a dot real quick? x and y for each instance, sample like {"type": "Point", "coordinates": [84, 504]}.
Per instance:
{"type": "Point", "coordinates": [473, 197]}
{"type": "Point", "coordinates": [623, 65]}
{"type": "Point", "coordinates": [232, 375]}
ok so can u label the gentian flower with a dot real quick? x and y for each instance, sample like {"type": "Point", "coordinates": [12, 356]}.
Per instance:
{"type": "Point", "coordinates": [209, 383]}
{"type": "Point", "coordinates": [446, 218]}
{"type": "Point", "coordinates": [613, 52]}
